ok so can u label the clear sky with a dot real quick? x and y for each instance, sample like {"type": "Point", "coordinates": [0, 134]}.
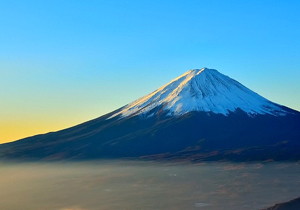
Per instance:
{"type": "Point", "coordinates": [63, 62]}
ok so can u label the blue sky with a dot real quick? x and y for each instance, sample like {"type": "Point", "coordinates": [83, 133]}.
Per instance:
{"type": "Point", "coordinates": [65, 62]}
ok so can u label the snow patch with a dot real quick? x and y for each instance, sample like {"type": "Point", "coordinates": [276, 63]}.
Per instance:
{"type": "Point", "coordinates": [202, 90]}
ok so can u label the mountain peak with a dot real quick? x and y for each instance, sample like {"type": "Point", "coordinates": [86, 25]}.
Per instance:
{"type": "Point", "coordinates": [203, 72]}
{"type": "Point", "coordinates": [196, 72]}
{"type": "Point", "coordinates": [203, 90]}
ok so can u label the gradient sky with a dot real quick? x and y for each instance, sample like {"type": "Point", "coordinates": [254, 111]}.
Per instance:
{"type": "Point", "coordinates": [66, 62]}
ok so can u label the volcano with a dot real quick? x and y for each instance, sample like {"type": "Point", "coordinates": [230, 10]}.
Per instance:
{"type": "Point", "coordinates": [201, 115]}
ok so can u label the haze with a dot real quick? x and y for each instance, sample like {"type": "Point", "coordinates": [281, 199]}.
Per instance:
{"type": "Point", "coordinates": [110, 185]}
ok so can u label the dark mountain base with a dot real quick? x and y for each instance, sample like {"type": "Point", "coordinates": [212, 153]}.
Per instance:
{"type": "Point", "coordinates": [196, 136]}
{"type": "Point", "coordinates": [290, 205]}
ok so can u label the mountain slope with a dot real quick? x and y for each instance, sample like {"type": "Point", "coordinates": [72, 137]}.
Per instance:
{"type": "Point", "coordinates": [290, 205]}
{"type": "Point", "coordinates": [203, 90]}
{"type": "Point", "coordinates": [201, 115]}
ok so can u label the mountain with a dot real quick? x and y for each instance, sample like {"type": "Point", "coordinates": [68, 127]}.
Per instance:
{"type": "Point", "coordinates": [290, 205]}
{"type": "Point", "coordinates": [200, 115]}
{"type": "Point", "coordinates": [202, 90]}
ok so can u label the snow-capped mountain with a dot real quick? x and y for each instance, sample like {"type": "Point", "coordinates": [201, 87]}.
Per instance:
{"type": "Point", "coordinates": [201, 115]}
{"type": "Point", "coordinates": [202, 90]}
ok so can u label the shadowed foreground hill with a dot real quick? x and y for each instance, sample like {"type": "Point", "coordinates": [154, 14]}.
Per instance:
{"type": "Point", "coordinates": [290, 205]}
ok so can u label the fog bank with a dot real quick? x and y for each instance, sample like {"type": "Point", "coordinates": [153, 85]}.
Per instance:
{"type": "Point", "coordinates": [144, 185]}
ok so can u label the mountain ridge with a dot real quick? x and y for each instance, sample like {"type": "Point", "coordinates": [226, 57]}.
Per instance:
{"type": "Point", "coordinates": [202, 90]}
{"type": "Point", "coordinates": [195, 135]}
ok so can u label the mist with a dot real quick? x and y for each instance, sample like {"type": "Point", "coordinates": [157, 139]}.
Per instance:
{"type": "Point", "coordinates": [111, 185]}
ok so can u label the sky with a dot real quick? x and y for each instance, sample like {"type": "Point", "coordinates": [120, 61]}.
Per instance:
{"type": "Point", "coordinates": [66, 62]}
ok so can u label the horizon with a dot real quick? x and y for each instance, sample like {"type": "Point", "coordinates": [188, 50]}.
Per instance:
{"type": "Point", "coordinates": [196, 69]}
{"type": "Point", "coordinates": [64, 63]}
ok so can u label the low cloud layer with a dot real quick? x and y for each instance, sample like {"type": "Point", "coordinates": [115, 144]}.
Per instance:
{"type": "Point", "coordinates": [147, 186]}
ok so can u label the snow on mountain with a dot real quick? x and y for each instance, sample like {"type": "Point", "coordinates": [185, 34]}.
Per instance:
{"type": "Point", "coordinates": [202, 90]}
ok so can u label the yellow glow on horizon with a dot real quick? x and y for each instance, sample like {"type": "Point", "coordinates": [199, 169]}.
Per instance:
{"type": "Point", "coordinates": [11, 131]}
